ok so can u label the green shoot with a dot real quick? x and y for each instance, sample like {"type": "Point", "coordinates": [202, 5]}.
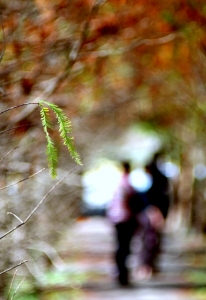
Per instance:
{"type": "Point", "coordinates": [65, 128]}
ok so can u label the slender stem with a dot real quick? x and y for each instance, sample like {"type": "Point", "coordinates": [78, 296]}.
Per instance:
{"type": "Point", "coordinates": [11, 284]}
{"type": "Point", "coordinates": [17, 106]}
{"type": "Point", "coordinates": [10, 231]}
{"type": "Point", "coordinates": [7, 186]}
{"type": "Point", "coordinates": [8, 153]}
{"type": "Point", "coordinates": [13, 128]}
{"type": "Point", "coordinates": [33, 211]}
{"type": "Point", "coordinates": [51, 190]}
{"type": "Point", "coordinates": [11, 213]}
{"type": "Point", "coordinates": [11, 268]}
{"type": "Point", "coordinates": [17, 288]}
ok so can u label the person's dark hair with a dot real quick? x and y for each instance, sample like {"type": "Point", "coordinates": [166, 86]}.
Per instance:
{"type": "Point", "coordinates": [126, 166]}
{"type": "Point", "coordinates": [151, 166]}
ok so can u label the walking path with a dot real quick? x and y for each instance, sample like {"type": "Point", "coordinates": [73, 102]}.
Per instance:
{"type": "Point", "coordinates": [87, 249]}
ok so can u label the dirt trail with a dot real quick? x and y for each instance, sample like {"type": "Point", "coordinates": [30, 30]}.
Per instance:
{"type": "Point", "coordinates": [88, 246]}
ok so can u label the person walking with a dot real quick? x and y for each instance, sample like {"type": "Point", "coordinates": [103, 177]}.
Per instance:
{"type": "Point", "coordinates": [158, 198]}
{"type": "Point", "coordinates": [128, 213]}
{"type": "Point", "coordinates": [124, 222]}
{"type": "Point", "coordinates": [158, 194]}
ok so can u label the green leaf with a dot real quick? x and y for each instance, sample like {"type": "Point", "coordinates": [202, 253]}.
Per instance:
{"type": "Point", "coordinates": [46, 122]}
{"type": "Point", "coordinates": [65, 128]}
{"type": "Point", "coordinates": [52, 157]}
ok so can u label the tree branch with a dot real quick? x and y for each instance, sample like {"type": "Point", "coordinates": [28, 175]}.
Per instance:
{"type": "Point", "coordinates": [77, 47]}
{"type": "Point", "coordinates": [33, 211]}
{"type": "Point", "coordinates": [11, 268]}
{"type": "Point", "coordinates": [51, 190]}
{"type": "Point", "coordinates": [59, 79]}
{"type": "Point", "coordinates": [8, 154]}
{"type": "Point", "coordinates": [14, 128]}
{"type": "Point", "coordinates": [134, 44]}
{"type": "Point", "coordinates": [28, 177]}
{"type": "Point", "coordinates": [11, 213]}
{"type": "Point", "coordinates": [17, 106]}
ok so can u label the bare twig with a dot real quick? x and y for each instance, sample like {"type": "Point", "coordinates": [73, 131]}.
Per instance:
{"type": "Point", "coordinates": [162, 40]}
{"type": "Point", "coordinates": [8, 154]}
{"type": "Point", "coordinates": [11, 284]}
{"type": "Point", "coordinates": [26, 178]}
{"type": "Point", "coordinates": [11, 268]}
{"type": "Point", "coordinates": [17, 288]}
{"type": "Point", "coordinates": [17, 106]}
{"type": "Point", "coordinates": [33, 211]}
{"type": "Point", "coordinates": [76, 47]}
{"type": "Point", "coordinates": [11, 213]}
{"type": "Point", "coordinates": [29, 108]}
{"type": "Point", "coordinates": [14, 128]}
{"type": "Point", "coordinates": [50, 191]}
{"type": "Point", "coordinates": [64, 75]}
{"type": "Point", "coordinates": [134, 44]}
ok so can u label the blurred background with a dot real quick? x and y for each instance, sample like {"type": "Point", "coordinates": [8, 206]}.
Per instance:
{"type": "Point", "coordinates": [131, 77]}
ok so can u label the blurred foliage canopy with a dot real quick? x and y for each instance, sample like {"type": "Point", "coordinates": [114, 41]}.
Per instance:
{"type": "Point", "coordinates": [127, 61]}
{"type": "Point", "coordinates": [107, 64]}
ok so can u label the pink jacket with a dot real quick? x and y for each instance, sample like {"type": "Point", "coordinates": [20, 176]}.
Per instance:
{"type": "Point", "coordinates": [117, 210]}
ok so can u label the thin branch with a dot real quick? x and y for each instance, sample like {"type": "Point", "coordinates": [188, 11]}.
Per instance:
{"type": "Point", "coordinates": [77, 46]}
{"type": "Point", "coordinates": [17, 106]}
{"type": "Point", "coordinates": [134, 44]}
{"type": "Point", "coordinates": [14, 128]}
{"type": "Point", "coordinates": [12, 283]}
{"type": "Point", "coordinates": [33, 211]}
{"type": "Point", "coordinates": [8, 154]}
{"type": "Point", "coordinates": [11, 230]}
{"type": "Point", "coordinates": [50, 191]}
{"type": "Point", "coordinates": [29, 109]}
{"type": "Point", "coordinates": [11, 213]}
{"type": "Point", "coordinates": [17, 288]}
{"type": "Point", "coordinates": [26, 178]}
{"type": "Point", "coordinates": [59, 79]}
{"type": "Point", "coordinates": [162, 40]}
{"type": "Point", "coordinates": [11, 268]}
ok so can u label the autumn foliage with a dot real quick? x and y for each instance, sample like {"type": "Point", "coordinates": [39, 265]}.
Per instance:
{"type": "Point", "coordinates": [107, 64]}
